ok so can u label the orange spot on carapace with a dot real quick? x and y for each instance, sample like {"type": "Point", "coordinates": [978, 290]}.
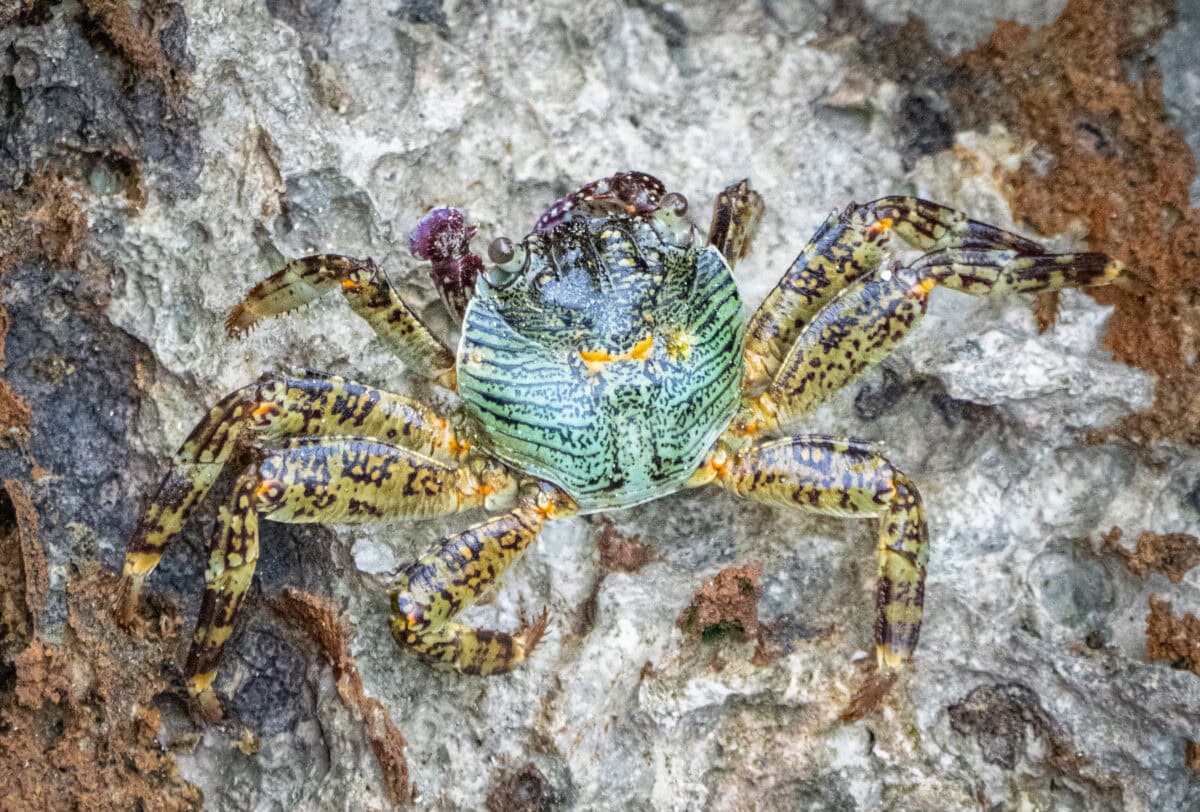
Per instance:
{"type": "Point", "coordinates": [596, 356]}
{"type": "Point", "coordinates": [595, 359]}
{"type": "Point", "coordinates": [641, 350]}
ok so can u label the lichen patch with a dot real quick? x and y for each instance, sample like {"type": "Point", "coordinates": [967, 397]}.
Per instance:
{"type": "Point", "coordinates": [725, 605]}
{"type": "Point", "coordinates": [1171, 637]}
{"type": "Point", "coordinates": [1172, 554]}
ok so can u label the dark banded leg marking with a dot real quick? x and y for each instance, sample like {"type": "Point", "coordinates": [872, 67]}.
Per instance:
{"type": "Point", "coordinates": [453, 575]}
{"type": "Point", "coordinates": [848, 478]}
{"type": "Point", "coordinates": [194, 469]}
{"type": "Point", "coordinates": [232, 557]}
{"type": "Point", "coordinates": [268, 411]}
{"type": "Point", "coordinates": [369, 294]}
{"type": "Point", "coordinates": [873, 315]}
{"type": "Point", "coordinates": [850, 246]}
{"type": "Point", "coordinates": [339, 480]}
{"type": "Point", "coordinates": [737, 213]}
{"type": "Point", "coordinates": [306, 403]}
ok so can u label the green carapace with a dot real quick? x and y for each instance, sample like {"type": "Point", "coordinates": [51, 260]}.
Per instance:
{"type": "Point", "coordinates": [608, 362]}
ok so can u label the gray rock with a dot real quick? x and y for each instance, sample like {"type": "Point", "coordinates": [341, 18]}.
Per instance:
{"type": "Point", "coordinates": [333, 126]}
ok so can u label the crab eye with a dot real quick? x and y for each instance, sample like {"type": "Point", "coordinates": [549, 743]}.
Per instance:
{"type": "Point", "coordinates": [501, 250]}
{"type": "Point", "coordinates": [675, 203]}
{"type": "Point", "coordinates": [509, 259]}
{"type": "Point", "coordinates": [670, 221]}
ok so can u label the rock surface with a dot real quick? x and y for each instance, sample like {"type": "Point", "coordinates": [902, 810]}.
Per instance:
{"type": "Point", "coordinates": [294, 126]}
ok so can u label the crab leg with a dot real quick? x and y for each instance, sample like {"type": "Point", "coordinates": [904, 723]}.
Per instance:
{"type": "Point", "coordinates": [369, 294]}
{"type": "Point", "coordinates": [737, 213]}
{"type": "Point", "coordinates": [849, 246]}
{"type": "Point", "coordinates": [870, 318]}
{"type": "Point", "coordinates": [319, 480]}
{"type": "Point", "coordinates": [305, 403]}
{"type": "Point", "coordinates": [847, 478]}
{"type": "Point", "coordinates": [453, 575]}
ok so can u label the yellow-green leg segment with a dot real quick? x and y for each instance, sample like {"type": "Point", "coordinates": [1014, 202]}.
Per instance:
{"type": "Point", "coordinates": [326, 481]}
{"type": "Point", "coordinates": [367, 291]}
{"type": "Point", "coordinates": [303, 403]}
{"type": "Point", "coordinates": [840, 477]}
{"type": "Point", "coordinates": [874, 314]}
{"type": "Point", "coordinates": [454, 574]}
{"type": "Point", "coordinates": [851, 246]}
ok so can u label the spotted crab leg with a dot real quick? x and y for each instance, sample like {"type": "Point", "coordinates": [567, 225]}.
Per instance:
{"type": "Point", "coordinates": [849, 246]}
{"type": "Point", "coordinates": [337, 480]}
{"type": "Point", "coordinates": [435, 588]}
{"type": "Point", "coordinates": [737, 214]}
{"type": "Point", "coordinates": [873, 315]}
{"type": "Point", "coordinates": [850, 478]}
{"type": "Point", "coordinates": [369, 294]}
{"type": "Point", "coordinates": [304, 403]}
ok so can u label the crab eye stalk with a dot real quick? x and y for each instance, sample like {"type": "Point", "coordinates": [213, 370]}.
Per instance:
{"type": "Point", "coordinates": [508, 257]}
{"type": "Point", "coordinates": [501, 250]}
{"type": "Point", "coordinates": [675, 203]}
{"type": "Point", "coordinates": [670, 219]}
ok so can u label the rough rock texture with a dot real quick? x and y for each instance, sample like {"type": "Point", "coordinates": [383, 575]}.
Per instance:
{"type": "Point", "coordinates": [206, 141]}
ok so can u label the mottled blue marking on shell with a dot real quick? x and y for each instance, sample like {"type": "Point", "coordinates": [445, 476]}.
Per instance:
{"type": "Point", "coordinates": [635, 429]}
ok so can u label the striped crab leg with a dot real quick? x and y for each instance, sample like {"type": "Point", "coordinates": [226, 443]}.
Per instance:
{"type": "Point", "coordinates": [336, 480]}
{"type": "Point", "coordinates": [277, 406]}
{"type": "Point", "coordinates": [873, 315]}
{"type": "Point", "coordinates": [435, 588]}
{"type": "Point", "coordinates": [851, 245]}
{"type": "Point", "coordinates": [839, 477]}
{"type": "Point", "coordinates": [368, 292]}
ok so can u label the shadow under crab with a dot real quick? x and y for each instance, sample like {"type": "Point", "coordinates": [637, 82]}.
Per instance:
{"type": "Point", "coordinates": [605, 360]}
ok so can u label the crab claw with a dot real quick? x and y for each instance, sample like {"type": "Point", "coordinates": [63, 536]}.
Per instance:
{"type": "Point", "coordinates": [443, 237]}
{"type": "Point", "coordinates": [628, 192]}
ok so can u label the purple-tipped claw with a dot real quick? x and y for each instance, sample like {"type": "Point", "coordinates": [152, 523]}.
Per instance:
{"type": "Point", "coordinates": [443, 237]}
{"type": "Point", "coordinates": [630, 192]}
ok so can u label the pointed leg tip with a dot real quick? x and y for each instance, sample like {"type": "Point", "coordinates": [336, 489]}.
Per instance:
{"type": "Point", "coordinates": [889, 659]}
{"type": "Point", "coordinates": [204, 698]}
{"type": "Point", "coordinates": [869, 695]}
{"type": "Point", "coordinates": [239, 321]}
{"type": "Point", "coordinates": [209, 707]}
{"type": "Point", "coordinates": [125, 608]}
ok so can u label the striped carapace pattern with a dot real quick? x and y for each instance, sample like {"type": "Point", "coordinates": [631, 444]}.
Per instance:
{"type": "Point", "coordinates": [550, 370]}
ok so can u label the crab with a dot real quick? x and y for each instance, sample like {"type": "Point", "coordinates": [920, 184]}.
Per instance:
{"type": "Point", "coordinates": [605, 360]}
